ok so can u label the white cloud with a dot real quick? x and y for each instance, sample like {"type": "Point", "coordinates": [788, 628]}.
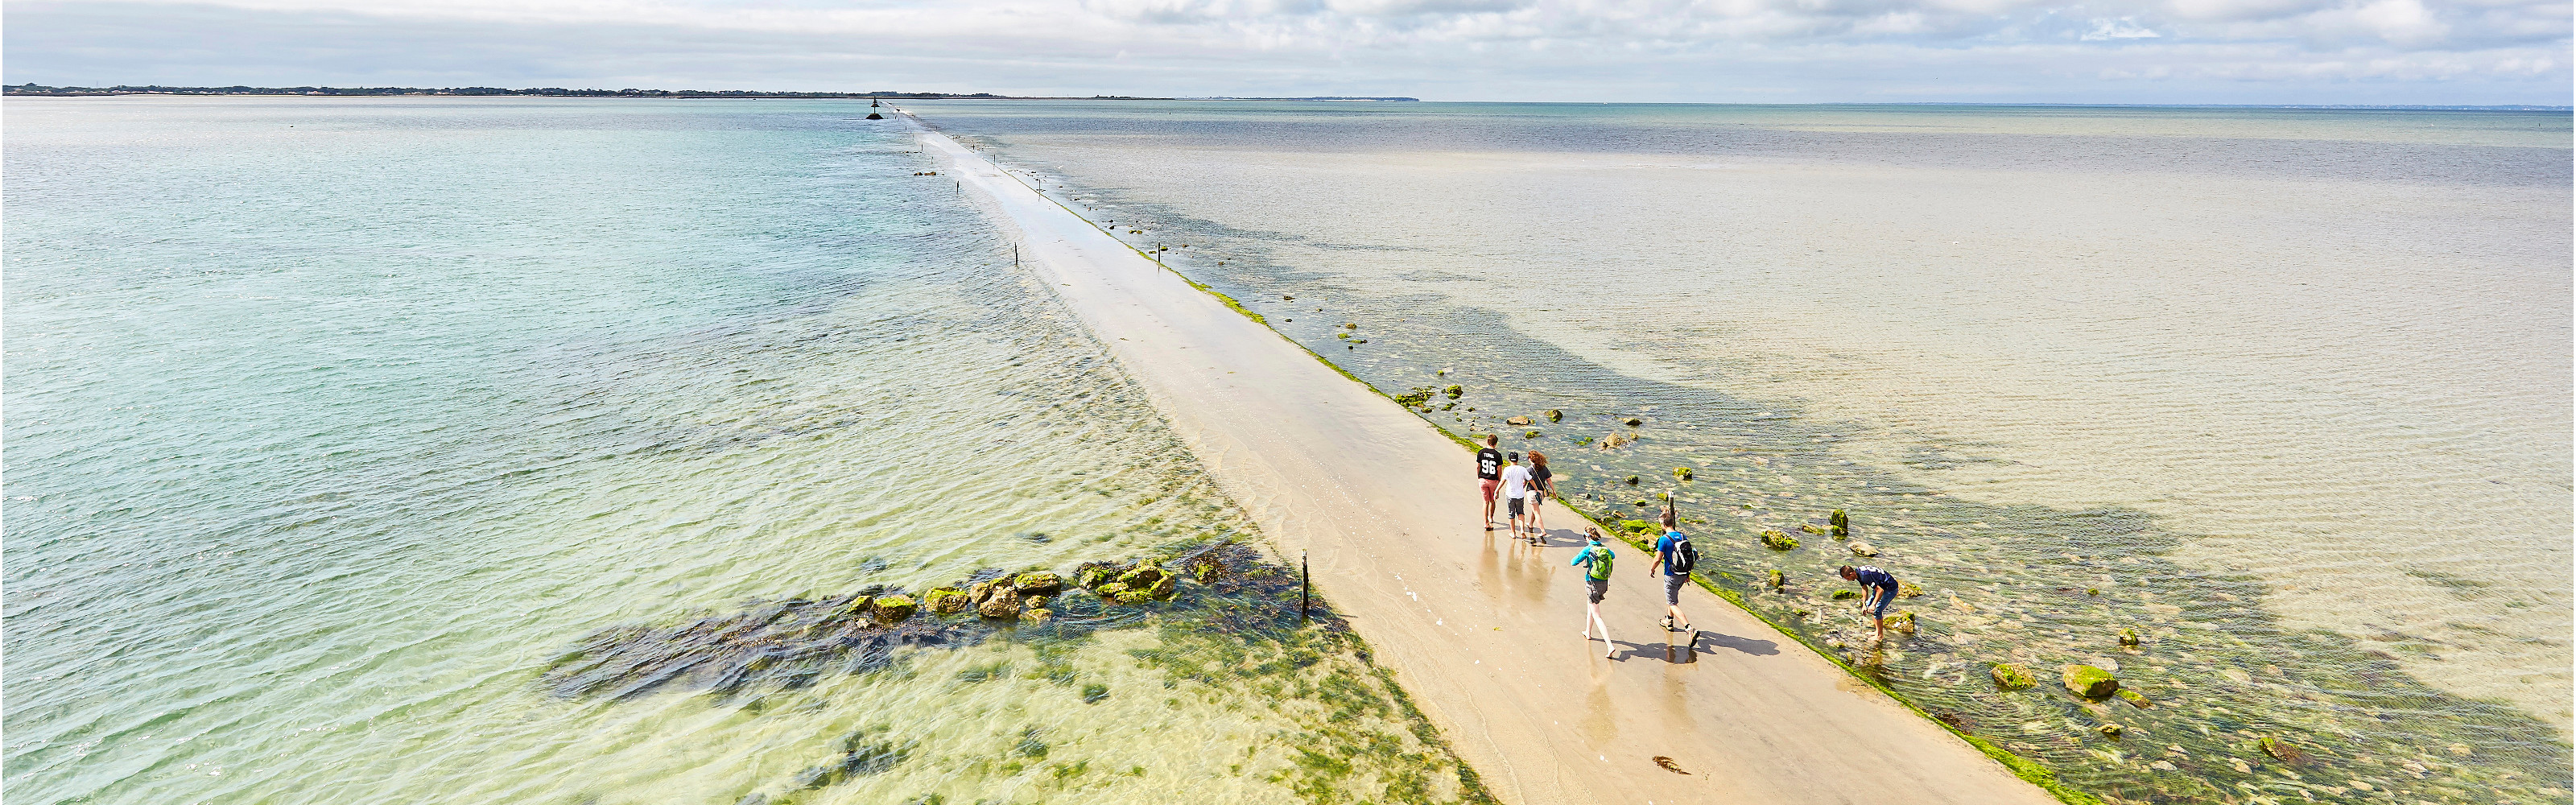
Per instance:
{"type": "Point", "coordinates": [2418, 51]}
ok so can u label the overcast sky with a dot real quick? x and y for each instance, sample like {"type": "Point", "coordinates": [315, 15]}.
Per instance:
{"type": "Point", "coordinates": [2095, 51]}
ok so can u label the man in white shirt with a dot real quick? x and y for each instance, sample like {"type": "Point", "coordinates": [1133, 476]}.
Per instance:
{"type": "Point", "coordinates": [1516, 484]}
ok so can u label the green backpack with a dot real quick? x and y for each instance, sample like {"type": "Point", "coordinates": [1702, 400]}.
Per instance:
{"type": "Point", "coordinates": [1601, 559]}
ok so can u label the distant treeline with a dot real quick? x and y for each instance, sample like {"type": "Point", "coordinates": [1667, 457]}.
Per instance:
{"type": "Point", "coordinates": [38, 89]}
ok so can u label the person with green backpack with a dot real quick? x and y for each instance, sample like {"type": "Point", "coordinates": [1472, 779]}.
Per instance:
{"type": "Point", "coordinates": [1595, 559]}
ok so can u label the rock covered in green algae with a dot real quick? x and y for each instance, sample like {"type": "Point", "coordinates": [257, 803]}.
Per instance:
{"type": "Point", "coordinates": [1110, 591]}
{"type": "Point", "coordinates": [1037, 615]}
{"type": "Point", "coordinates": [2009, 676]}
{"type": "Point", "coordinates": [1906, 589]}
{"type": "Point", "coordinates": [1143, 576]}
{"type": "Point", "coordinates": [1093, 574]}
{"type": "Point", "coordinates": [1133, 597]}
{"type": "Point", "coordinates": [2128, 636]}
{"type": "Point", "coordinates": [1454, 392]}
{"type": "Point", "coordinates": [1811, 528]}
{"type": "Point", "coordinates": [1204, 569]}
{"type": "Point", "coordinates": [2134, 698]}
{"type": "Point", "coordinates": [947, 600]}
{"type": "Point", "coordinates": [1841, 524]}
{"type": "Point", "coordinates": [1902, 621]}
{"type": "Point", "coordinates": [2089, 682]}
{"type": "Point", "coordinates": [857, 608]}
{"type": "Point", "coordinates": [1777, 541]}
{"type": "Point", "coordinates": [1632, 480]}
{"type": "Point", "coordinates": [1037, 582]}
{"type": "Point", "coordinates": [894, 609]}
{"type": "Point", "coordinates": [1778, 579]}
{"type": "Point", "coordinates": [1683, 473]}
{"type": "Point", "coordinates": [982, 590]}
{"type": "Point", "coordinates": [1846, 595]}
{"type": "Point", "coordinates": [1553, 415]}
{"type": "Point", "coordinates": [2110, 730]}
{"type": "Point", "coordinates": [1164, 588]}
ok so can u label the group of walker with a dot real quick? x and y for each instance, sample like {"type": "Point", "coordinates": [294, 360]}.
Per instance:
{"type": "Point", "coordinates": [1522, 488]}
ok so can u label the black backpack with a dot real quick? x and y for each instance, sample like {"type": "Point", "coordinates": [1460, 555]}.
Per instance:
{"type": "Point", "coordinates": [1685, 557]}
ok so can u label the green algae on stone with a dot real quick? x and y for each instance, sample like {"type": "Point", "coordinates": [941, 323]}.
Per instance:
{"type": "Point", "coordinates": [2088, 681]}
{"type": "Point", "coordinates": [2010, 676]}
{"type": "Point", "coordinates": [893, 609]}
{"type": "Point", "coordinates": [1777, 541]}
{"type": "Point", "coordinates": [946, 600]}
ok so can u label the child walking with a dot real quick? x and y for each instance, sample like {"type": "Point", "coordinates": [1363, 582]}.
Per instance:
{"type": "Point", "coordinates": [1595, 560]}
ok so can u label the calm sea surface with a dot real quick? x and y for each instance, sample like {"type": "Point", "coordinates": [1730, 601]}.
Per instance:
{"type": "Point", "coordinates": [336, 430]}
{"type": "Point", "coordinates": [2287, 391]}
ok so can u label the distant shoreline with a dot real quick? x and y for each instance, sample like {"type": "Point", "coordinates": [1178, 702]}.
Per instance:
{"type": "Point", "coordinates": [39, 90]}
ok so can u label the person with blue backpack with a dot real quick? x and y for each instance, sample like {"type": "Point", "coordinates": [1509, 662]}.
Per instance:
{"type": "Point", "coordinates": [1675, 557]}
{"type": "Point", "coordinates": [1595, 559]}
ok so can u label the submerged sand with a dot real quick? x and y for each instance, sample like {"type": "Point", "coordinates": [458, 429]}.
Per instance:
{"type": "Point", "coordinates": [1483, 631]}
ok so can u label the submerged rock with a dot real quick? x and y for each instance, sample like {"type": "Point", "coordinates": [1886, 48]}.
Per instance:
{"type": "Point", "coordinates": [1518, 420]}
{"type": "Point", "coordinates": [1110, 591]}
{"type": "Point", "coordinates": [1777, 579]}
{"type": "Point", "coordinates": [1811, 528]}
{"type": "Point", "coordinates": [1143, 576]}
{"type": "Point", "coordinates": [2089, 682]}
{"type": "Point", "coordinates": [1632, 422]}
{"type": "Point", "coordinates": [1036, 615]}
{"type": "Point", "coordinates": [1553, 415]}
{"type": "Point", "coordinates": [1906, 589]}
{"type": "Point", "coordinates": [1454, 392]}
{"type": "Point", "coordinates": [2283, 751]}
{"type": "Point", "coordinates": [1777, 541]}
{"type": "Point", "coordinates": [1133, 597]}
{"type": "Point", "coordinates": [1902, 621]}
{"type": "Point", "coordinates": [1093, 574]}
{"type": "Point", "coordinates": [2109, 730]}
{"type": "Point", "coordinates": [1863, 549]}
{"type": "Point", "coordinates": [2128, 636]}
{"type": "Point", "coordinates": [2009, 676]}
{"type": "Point", "coordinates": [1846, 595]}
{"type": "Point", "coordinates": [1683, 473]}
{"type": "Point", "coordinates": [1632, 480]}
{"type": "Point", "coordinates": [2134, 698]}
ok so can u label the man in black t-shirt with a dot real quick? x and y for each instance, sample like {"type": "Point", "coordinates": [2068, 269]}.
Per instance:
{"type": "Point", "coordinates": [1489, 471]}
{"type": "Point", "coordinates": [1878, 588]}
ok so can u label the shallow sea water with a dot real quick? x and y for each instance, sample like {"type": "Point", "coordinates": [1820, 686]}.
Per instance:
{"type": "Point", "coordinates": [2287, 391]}
{"type": "Point", "coordinates": [333, 425]}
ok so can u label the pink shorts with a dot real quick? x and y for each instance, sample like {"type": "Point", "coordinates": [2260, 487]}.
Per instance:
{"type": "Point", "coordinates": [1492, 484]}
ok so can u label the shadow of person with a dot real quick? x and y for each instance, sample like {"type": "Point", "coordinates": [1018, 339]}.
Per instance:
{"type": "Point", "coordinates": [1758, 648]}
{"type": "Point", "coordinates": [1683, 653]}
{"type": "Point", "coordinates": [1627, 649]}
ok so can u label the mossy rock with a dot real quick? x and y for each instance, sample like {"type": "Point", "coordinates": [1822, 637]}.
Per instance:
{"type": "Point", "coordinates": [1632, 480]}
{"type": "Point", "coordinates": [1454, 392]}
{"type": "Point", "coordinates": [1553, 415]}
{"type": "Point", "coordinates": [858, 607]}
{"type": "Point", "coordinates": [2011, 677]}
{"type": "Point", "coordinates": [1863, 549]}
{"type": "Point", "coordinates": [1037, 582]}
{"type": "Point", "coordinates": [1777, 541]}
{"type": "Point", "coordinates": [1811, 528]}
{"type": "Point", "coordinates": [1902, 621]}
{"type": "Point", "coordinates": [1841, 524]}
{"type": "Point", "coordinates": [976, 594]}
{"type": "Point", "coordinates": [2128, 636]}
{"type": "Point", "coordinates": [1846, 595]}
{"type": "Point", "coordinates": [946, 600]}
{"type": "Point", "coordinates": [1632, 422]}
{"type": "Point", "coordinates": [1037, 616]}
{"type": "Point", "coordinates": [1093, 574]}
{"type": "Point", "coordinates": [1529, 434]}
{"type": "Point", "coordinates": [1204, 569]}
{"type": "Point", "coordinates": [1683, 473]}
{"type": "Point", "coordinates": [1778, 579]}
{"type": "Point", "coordinates": [2283, 751]}
{"type": "Point", "coordinates": [1111, 590]}
{"type": "Point", "coordinates": [2109, 730]}
{"type": "Point", "coordinates": [2134, 698]}
{"type": "Point", "coordinates": [2088, 681]}
{"type": "Point", "coordinates": [1133, 597]}
{"type": "Point", "coordinates": [1906, 589]}
{"type": "Point", "coordinates": [894, 609]}
{"type": "Point", "coordinates": [1143, 576]}
{"type": "Point", "coordinates": [1094, 694]}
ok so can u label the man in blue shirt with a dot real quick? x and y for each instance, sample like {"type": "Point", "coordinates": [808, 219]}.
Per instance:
{"type": "Point", "coordinates": [1674, 557]}
{"type": "Point", "coordinates": [1878, 588]}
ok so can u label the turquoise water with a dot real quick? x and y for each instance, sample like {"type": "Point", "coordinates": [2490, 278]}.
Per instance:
{"type": "Point", "coordinates": [2284, 391]}
{"type": "Point", "coordinates": [333, 424]}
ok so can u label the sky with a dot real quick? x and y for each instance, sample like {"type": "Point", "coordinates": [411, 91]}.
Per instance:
{"type": "Point", "coordinates": [2434, 52]}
